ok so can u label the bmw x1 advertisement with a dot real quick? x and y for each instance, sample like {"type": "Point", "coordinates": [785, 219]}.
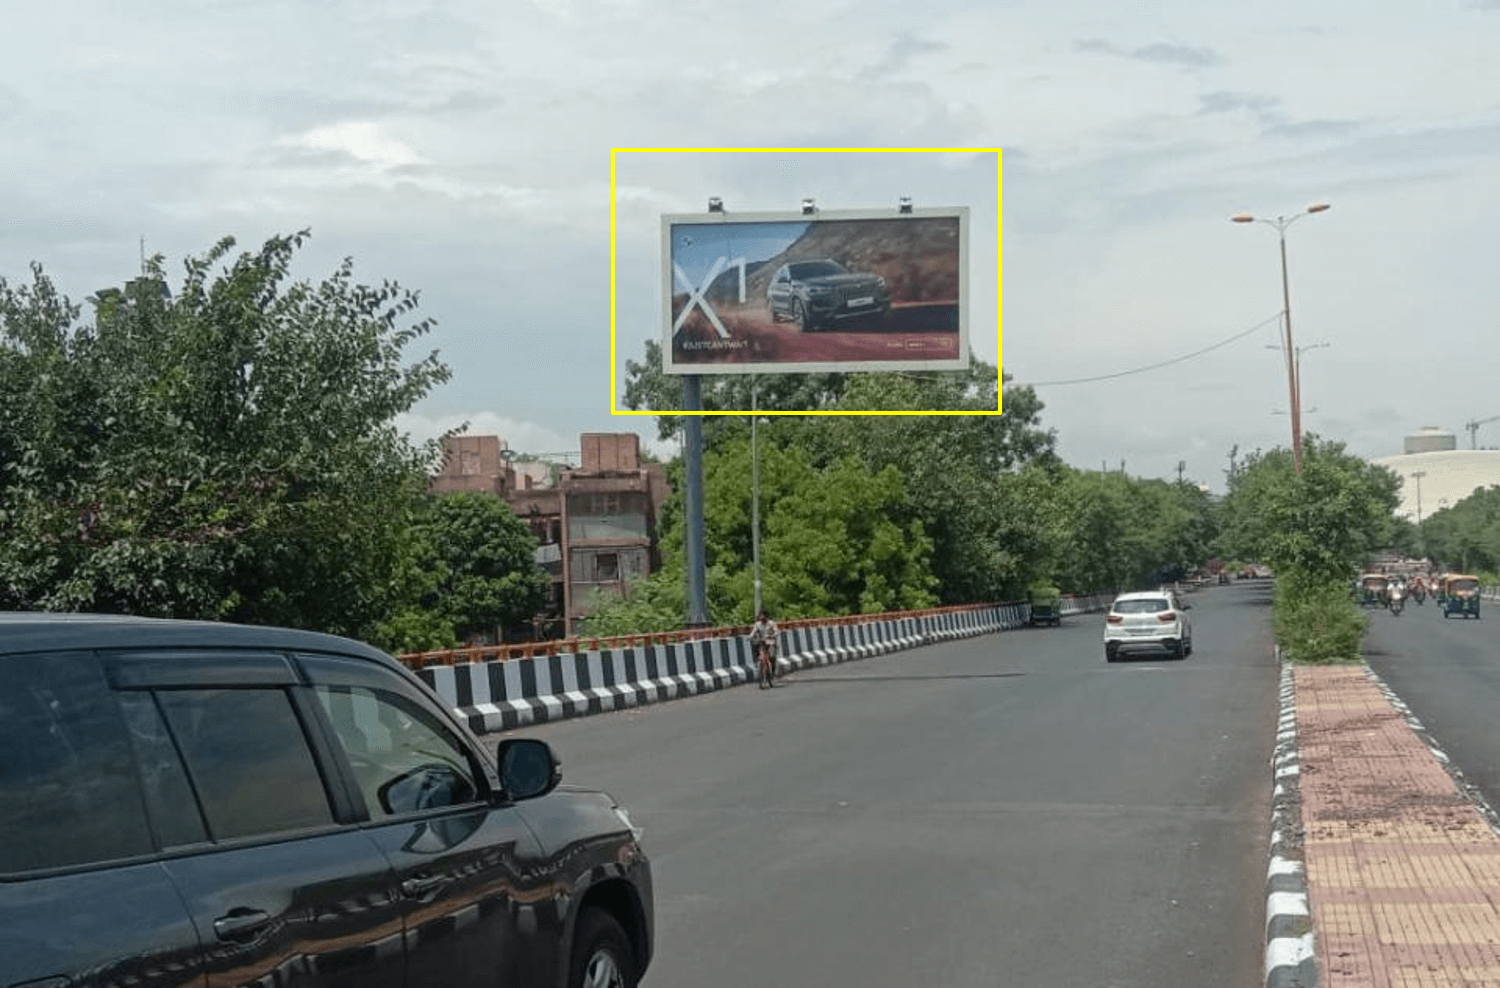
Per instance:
{"type": "Point", "coordinates": [830, 292]}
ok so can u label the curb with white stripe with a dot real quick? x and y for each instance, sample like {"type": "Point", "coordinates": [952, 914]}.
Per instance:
{"type": "Point", "coordinates": [1291, 959]}
{"type": "Point", "coordinates": [501, 695]}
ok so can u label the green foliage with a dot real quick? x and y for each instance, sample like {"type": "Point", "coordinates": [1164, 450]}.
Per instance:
{"type": "Point", "coordinates": [225, 452]}
{"type": "Point", "coordinates": [986, 491]}
{"type": "Point", "coordinates": [482, 559]}
{"type": "Point", "coordinates": [1317, 621]}
{"type": "Point", "coordinates": [1466, 536]}
{"type": "Point", "coordinates": [1322, 523]}
{"type": "Point", "coordinates": [835, 539]}
{"type": "Point", "coordinates": [656, 603]}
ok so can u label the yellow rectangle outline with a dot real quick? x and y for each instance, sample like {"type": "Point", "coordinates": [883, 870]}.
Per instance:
{"type": "Point", "coordinates": [999, 274]}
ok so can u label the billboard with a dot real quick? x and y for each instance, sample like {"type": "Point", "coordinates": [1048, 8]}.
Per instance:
{"type": "Point", "coordinates": [766, 293]}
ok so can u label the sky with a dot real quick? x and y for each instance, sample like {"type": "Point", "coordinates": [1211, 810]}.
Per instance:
{"type": "Point", "coordinates": [464, 149]}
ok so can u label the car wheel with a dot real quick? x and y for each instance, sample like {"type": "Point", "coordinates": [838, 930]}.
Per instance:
{"type": "Point", "coordinates": [804, 321]}
{"type": "Point", "coordinates": [1110, 655]}
{"type": "Point", "coordinates": [602, 956]}
{"type": "Point", "coordinates": [1188, 648]}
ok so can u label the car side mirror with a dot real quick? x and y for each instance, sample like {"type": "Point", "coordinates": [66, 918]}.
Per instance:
{"type": "Point", "coordinates": [528, 767]}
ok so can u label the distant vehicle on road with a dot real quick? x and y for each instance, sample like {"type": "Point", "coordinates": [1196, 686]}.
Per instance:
{"type": "Point", "coordinates": [1153, 621]}
{"type": "Point", "coordinates": [816, 294]}
{"type": "Point", "coordinates": [1460, 595]}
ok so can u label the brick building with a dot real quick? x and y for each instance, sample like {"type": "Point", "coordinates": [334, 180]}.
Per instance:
{"type": "Point", "coordinates": [597, 522]}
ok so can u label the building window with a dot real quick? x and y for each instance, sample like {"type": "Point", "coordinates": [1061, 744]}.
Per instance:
{"type": "Point", "coordinates": [606, 567]}
{"type": "Point", "coordinates": [468, 462]}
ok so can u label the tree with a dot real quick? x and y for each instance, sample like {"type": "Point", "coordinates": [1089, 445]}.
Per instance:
{"type": "Point", "coordinates": [484, 561]}
{"type": "Point", "coordinates": [1322, 523]}
{"type": "Point", "coordinates": [836, 539]}
{"type": "Point", "coordinates": [224, 452]}
{"type": "Point", "coordinates": [1466, 535]}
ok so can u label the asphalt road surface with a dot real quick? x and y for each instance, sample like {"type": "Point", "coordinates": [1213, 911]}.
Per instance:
{"type": "Point", "coordinates": [1448, 672]}
{"type": "Point", "coordinates": [1004, 810]}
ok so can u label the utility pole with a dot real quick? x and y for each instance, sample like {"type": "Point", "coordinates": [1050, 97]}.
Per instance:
{"type": "Point", "coordinates": [1181, 466]}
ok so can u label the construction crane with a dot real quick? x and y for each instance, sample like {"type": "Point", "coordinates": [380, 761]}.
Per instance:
{"type": "Point", "coordinates": [1473, 428]}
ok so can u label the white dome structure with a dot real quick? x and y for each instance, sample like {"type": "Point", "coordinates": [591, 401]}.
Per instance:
{"type": "Point", "coordinates": [1441, 478]}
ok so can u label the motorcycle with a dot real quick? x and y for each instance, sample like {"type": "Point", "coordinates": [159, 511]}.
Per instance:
{"type": "Point", "coordinates": [1397, 600]}
{"type": "Point", "coordinates": [1419, 594]}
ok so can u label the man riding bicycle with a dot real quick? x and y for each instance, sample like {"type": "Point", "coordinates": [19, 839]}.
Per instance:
{"type": "Point", "coordinates": [763, 634]}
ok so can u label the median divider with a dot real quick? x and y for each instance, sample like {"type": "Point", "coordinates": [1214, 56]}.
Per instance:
{"type": "Point", "coordinates": [497, 688]}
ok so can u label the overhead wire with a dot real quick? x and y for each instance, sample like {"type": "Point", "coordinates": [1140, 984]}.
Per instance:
{"type": "Point", "coordinates": [1160, 364]}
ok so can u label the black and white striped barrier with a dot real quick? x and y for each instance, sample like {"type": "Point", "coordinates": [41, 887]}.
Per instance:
{"type": "Point", "coordinates": [501, 695]}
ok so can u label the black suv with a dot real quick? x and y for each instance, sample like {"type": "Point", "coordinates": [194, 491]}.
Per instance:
{"type": "Point", "coordinates": [189, 803]}
{"type": "Point", "coordinates": [820, 293]}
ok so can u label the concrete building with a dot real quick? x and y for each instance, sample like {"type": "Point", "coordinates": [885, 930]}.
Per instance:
{"type": "Point", "coordinates": [597, 522]}
{"type": "Point", "coordinates": [1436, 474]}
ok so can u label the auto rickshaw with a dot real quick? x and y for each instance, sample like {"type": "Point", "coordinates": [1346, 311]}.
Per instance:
{"type": "Point", "coordinates": [1461, 595]}
{"type": "Point", "coordinates": [1046, 605]}
{"type": "Point", "coordinates": [1372, 589]}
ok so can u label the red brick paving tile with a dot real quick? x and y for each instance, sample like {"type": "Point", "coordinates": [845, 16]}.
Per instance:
{"type": "Point", "coordinates": [1403, 872]}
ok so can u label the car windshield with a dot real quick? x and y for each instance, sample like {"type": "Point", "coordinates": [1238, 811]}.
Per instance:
{"type": "Point", "coordinates": [1145, 605]}
{"type": "Point", "coordinates": [815, 269]}
{"type": "Point", "coordinates": [1464, 584]}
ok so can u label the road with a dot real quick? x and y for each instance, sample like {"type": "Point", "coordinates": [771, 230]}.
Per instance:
{"type": "Point", "coordinates": [1448, 673]}
{"type": "Point", "coordinates": [1002, 810]}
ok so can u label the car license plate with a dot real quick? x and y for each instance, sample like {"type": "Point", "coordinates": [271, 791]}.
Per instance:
{"type": "Point", "coordinates": [1139, 631]}
{"type": "Point", "coordinates": [862, 300]}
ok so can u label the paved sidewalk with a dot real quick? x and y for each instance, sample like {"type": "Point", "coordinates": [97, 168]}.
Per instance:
{"type": "Point", "coordinates": [1403, 870]}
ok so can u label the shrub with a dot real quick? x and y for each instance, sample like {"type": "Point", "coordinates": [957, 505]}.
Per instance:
{"type": "Point", "coordinates": [1317, 622]}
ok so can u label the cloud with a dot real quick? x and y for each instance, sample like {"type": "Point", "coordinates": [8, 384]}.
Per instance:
{"type": "Point", "coordinates": [1160, 52]}
{"type": "Point", "coordinates": [361, 140]}
{"type": "Point", "coordinates": [899, 54]}
{"type": "Point", "coordinates": [1230, 102]}
{"type": "Point", "coordinates": [1330, 129]}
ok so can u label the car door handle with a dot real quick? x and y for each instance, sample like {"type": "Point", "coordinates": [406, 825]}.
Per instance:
{"type": "Point", "coordinates": [239, 923]}
{"type": "Point", "coordinates": [415, 888]}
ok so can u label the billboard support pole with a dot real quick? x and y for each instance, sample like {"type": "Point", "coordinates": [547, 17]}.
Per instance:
{"type": "Point", "coordinates": [692, 462]}
{"type": "Point", "coordinates": [755, 491]}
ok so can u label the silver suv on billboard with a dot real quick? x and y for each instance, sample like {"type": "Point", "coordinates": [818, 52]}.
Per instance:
{"type": "Point", "coordinates": [816, 294]}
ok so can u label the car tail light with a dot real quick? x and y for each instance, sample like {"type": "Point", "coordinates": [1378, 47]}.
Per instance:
{"type": "Point", "coordinates": [1167, 616]}
{"type": "Point", "coordinates": [1114, 619]}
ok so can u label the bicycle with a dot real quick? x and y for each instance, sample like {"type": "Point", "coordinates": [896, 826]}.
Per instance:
{"type": "Point", "coordinates": [766, 666]}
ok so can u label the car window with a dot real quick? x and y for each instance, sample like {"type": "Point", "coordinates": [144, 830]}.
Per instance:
{"type": "Point", "coordinates": [249, 760]}
{"type": "Point", "coordinates": [1144, 605]}
{"type": "Point", "coordinates": [170, 804]}
{"type": "Point", "coordinates": [404, 759]}
{"type": "Point", "coordinates": [815, 269]}
{"type": "Point", "coordinates": [67, 774]}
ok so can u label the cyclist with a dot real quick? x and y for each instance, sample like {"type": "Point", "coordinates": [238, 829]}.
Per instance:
{"type": "Point", "coordinates": [763, 636]}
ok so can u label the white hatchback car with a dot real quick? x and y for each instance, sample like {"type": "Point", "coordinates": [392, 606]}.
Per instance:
{"type": "Point", "coordinates": [1153, 621]}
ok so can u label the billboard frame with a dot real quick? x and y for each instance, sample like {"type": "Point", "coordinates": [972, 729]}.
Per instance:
{"type": "Point", "coordinates": [674, 367]}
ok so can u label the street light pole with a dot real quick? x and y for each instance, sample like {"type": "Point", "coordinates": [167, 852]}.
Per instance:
{"type": "Point", "coordinates": [1293, 389]}
{"type": "Point", "coordinates": [755, 494]}
{"type": "Point", "coordinates": [1417, 475]}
